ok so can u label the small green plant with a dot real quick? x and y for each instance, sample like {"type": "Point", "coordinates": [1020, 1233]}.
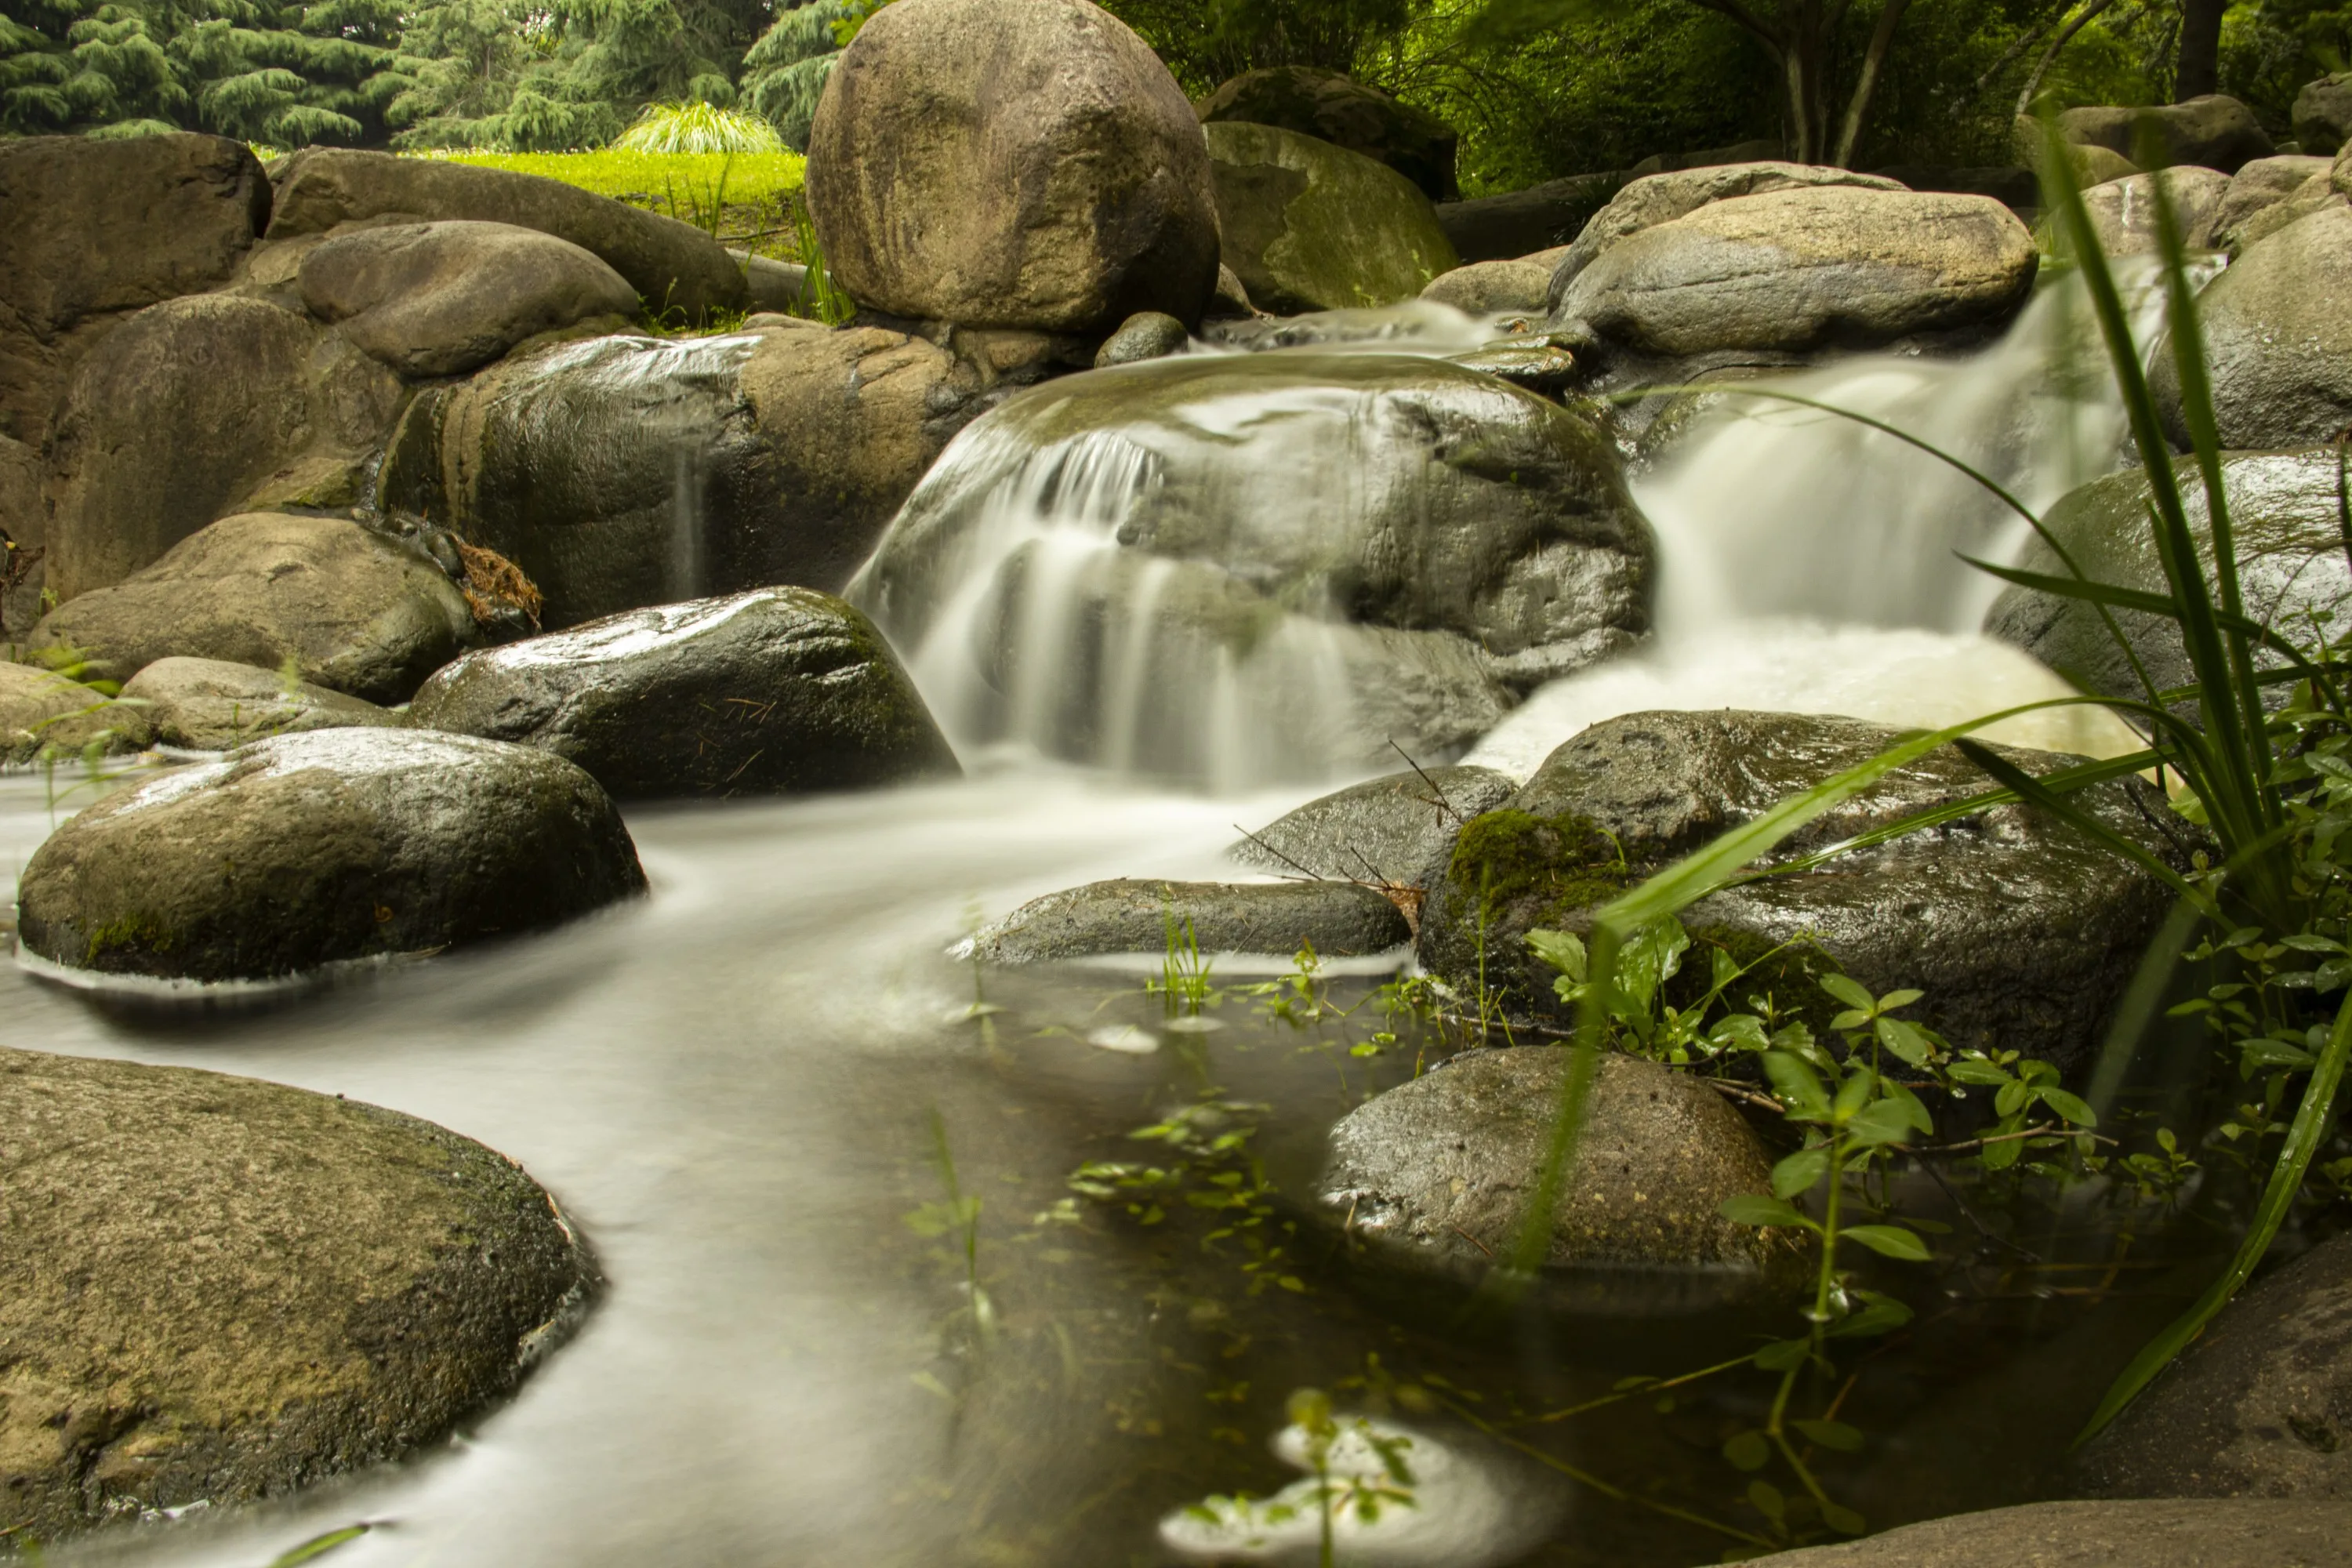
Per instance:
{"type": "Point", "coordinates": [1211, 1170]}
{"type": "Point", "coordinates": [955, 1216]}
{"type": "Point", "coordinates": [1184, 981]}
{"type": "Point", "coordinates": [820, 299]}
{"type": "Point", "coordinates": [671, 128]}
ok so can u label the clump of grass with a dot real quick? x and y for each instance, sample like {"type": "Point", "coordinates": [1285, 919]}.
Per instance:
{"type": "Point", "coordinates": [757, 184]}
{"type": "Point", "coordinates": [668, 128]}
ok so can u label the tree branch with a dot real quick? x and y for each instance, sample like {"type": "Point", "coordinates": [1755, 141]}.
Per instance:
{"type": "Point", "coordinates": [1874, 63]}
{"type": "Point", "coordinates": [2050, 56]}
{"type": "Point", "coordinates": [1746, 18]}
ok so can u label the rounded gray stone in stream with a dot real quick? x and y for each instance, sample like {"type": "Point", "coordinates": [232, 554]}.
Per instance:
{"type": "Point", "coordinates": [2210, 132]}
{"type": "Point", "coordinates": [2290, 565]}
{"type": "Point", "coordinates": [780, 690]}
{"type": "Point", "coordinates": [1399, 829]}
{"type": "Point", "coordinates": [1147, 334]}
{"type": "Point", "coordinates": [1132, 915]}
{"type": "Point", "coordinates": [2260, 1407]}
{"type": "Point", "coordinates": [1488, 288]}
{"type": "Point", "coordinates": [211, 705]}
{"type": "Point", "coordinates": [2278, 337]}
{"type": "Point", "coordinates": [217, 1290]}
{"type": "Point", "coordinates": [2171, 1534]}
{"type": "Point", "coordinates": [311, 849]}
{"type": "Point", "coordinates": [42, 711]}
{"type": "Point", "coordinates": [1436, 1174]}
{"type": "Point", "coordinates": [2021, 931]}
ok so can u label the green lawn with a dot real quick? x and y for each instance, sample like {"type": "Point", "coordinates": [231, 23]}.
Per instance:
{"type": "Point", "coordinates": [747, 191]}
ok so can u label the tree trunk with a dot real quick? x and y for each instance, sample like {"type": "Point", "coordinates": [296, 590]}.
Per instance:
{"type": "Point", "coordinates": [2201, 49]}
{"type": "Point", "coordinates": [1874, 64]}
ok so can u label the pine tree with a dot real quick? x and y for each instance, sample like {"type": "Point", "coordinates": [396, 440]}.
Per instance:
{"type": "Point", "coordinates": [784, 73]}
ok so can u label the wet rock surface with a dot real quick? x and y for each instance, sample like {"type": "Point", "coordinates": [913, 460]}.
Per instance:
{"type": "Point", "coordinates": [670, 264]}
{"type": "Point", "coordinates": [1399, 829]}
{"type": "Point", "coordinates": [1307, 226]}
{"type": "Point", "coordinates": [780, 690]}
{"type": "Point", "coordinates": [1436, 1175]}
{"type": "Point", "coordinates": [349, 609]}
{"type": "Point", "coordinates": [1346, 113]}
{"type": "Point", "coordinates": [190, 411]}
{"type": "Point", "coordinates": [1147, 334]}
{"type": "Point", "coordinates": [2278, 340]}
{"type": "Point", "coordinates": [317, 848]}
{"type": "Point", "coordinates": [2020, 932]}
{"type": "Point", "coordinates": [1801, 269]}
{"type": "Point", "coordinates": [2260, 1407]}
{"type": "Point", "coordinates": [441, 298]}
{"type": "Point", "coordinates": [45, 713]}
{"type": "Point", "coordinates": [212, 705]}
{"type": "Point", "coordinates": [2174, 1533]}
{"type": "Point", "coordinates": [1275, 919]}
{"type": "Point", "coordinates": [2261, 186]}
{"type": "Point", "coordinates": [1097, 201]}
{"type": "Point", "coordinates": [2214, 131]}
{"type": "Point", "coordinates": [218, 1290]}
{"type": "Point", "coordinates": [1486, 288]}
{"type": "Point", "coordinates": [2123, 212]}
{"type": "Point", "coordinates": [2290, 553]}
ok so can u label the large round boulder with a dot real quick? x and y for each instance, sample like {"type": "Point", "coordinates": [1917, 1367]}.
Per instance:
{"type": "Point", "coordinates": [345, 607]}
{"type": "Point", "coordinates": [779, 690]}
{"type": "Point", "coordinates": [2123, 212]}
{"type": "Point", "coordinates": [196, 408]}
{"type": "Point", "coordinates": [2176, 1532]}
{"type": "Point", "coordinates": [1307, 226]}
{"type": "Point", "coordinates": [440, 298]}
{"type": "Point", "coordinates": [1797, 270]}
{"type": "Point", "coordinates": [1660, 198]}
{"type": "Point", "coordinates": [1011, 163]}
{"type": "Point", "coordinates": [217, 1290]}
{"type": "Point", "coordinates": [1128, 915]}
{"type": "Point", "coordinates": [2021, 931]}
{"type": "Point", "coordinates": [2323, 113]}
{"type": "Point", "coordinates": [2260, 187]}
{"type": "Point", "coordinates": [672, 266]}
{"type": "Point", "coordinates": [212, 705]}
{"type": "Point", "coordinates": [1215, 564]}
{"type": "Point", "coordinates": [102, 229]}
{"type": "Point", "coordinates": [2278, 340]}
{"type": "Point", "coordinates": [1346, 113]}
{"type": "Point", "coordinates": [619, 472]}
{"type": "Point", "coordinates": [47, 713]}
{"type": "Point", "coordinates": [2214, 131]}
{"type": "Point", "coordinates": [319, 848]}
{"type": "Point", "coordinates": [2290, 553]}
{"type": "Point", "coordinates": [1437, 1176]}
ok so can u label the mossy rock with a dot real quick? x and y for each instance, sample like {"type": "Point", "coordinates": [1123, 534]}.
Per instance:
{"type": "Point", "coordinates": [217, 1290]}
{"type": "Point", "coordinates": [1308, 226]}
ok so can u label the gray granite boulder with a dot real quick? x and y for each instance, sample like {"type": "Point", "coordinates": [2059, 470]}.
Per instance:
{"type": "Point", "coordinates": [319, 848]}
{"type": "Point", "coordinates": [2123, 212]}
{"type": "Point", "coordinates": [2278, 340]}
{"type": "Point", "coordinates": [45, 713]}
{"type": "Point", "coordinates": [1129, 916]}
{"type": "Point", "coordinates": [2173, 1533]}
{"type": "Point", "coordinates": [2260, 187]}
{"type": "Point", "coordinates": [2214, 131]}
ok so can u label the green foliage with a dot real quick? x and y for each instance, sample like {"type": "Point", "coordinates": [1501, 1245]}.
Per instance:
{"type": "Point", "coordinates": [784, 72]}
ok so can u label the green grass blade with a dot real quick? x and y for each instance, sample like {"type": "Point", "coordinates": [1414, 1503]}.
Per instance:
{"type": "Point", "coordinates": [2032, 790]}
{"type": "Point", "coordinates": [2313, 1119]}
{"type": "Point", "coordinates": [2141, 1001]}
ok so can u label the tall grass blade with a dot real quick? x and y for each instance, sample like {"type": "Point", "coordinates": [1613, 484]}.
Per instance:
{"type": "Point", "coordinates": [2032, 790]}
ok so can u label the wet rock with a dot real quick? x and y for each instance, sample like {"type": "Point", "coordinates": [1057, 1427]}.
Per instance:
{"type": "Point", "coordinates": [1657, 198]}
{"type": "Point", "coordinates": [194, 409]}
{"type": "Point", "coordinates": [1399, 829]}
{"type": "Point", "coordinates": [625, 471]}
{"type": "Point", "coordinates": [119, 226]}
{"type": "Point", "coordinates": [2260, 1407]}
{"type": "Point", "coordinates": [2022, 932]}
{"type": "Point", "coordinates": [348, 608]}
{"type": "Point", "coordinates": [440, 298]}
{"type": "Point", "coordinates": [1544, 365]}
{"type": "Point", "coordinates": [1307, 226]}
{"type": "Point", "coordinates": [1132, 915]}
{"type": "Point", "coordinates": [2278, 340]}
{"type": "Point", "coordinates": [1801, 269]}
{"type": "Point", "coordinates": [304, 850]}
{"type": "Point", "coordinates": [218, 1290]}
{"type": "Point", "coordinates": [1518, 223]}
{"type": "Point", "coordinates": [1104, 202]}
{"type": "Point", "coordinates": [2322, 114]}
{"type": "Point", "coordinates": [1147, 334]}
{"type": "Point", "coordinates": [1491, 287]}
{"type": "Point", "coordinates": [780, 690]}
{"type": "Point", "coordinates": [1418, 326]}
{"type": "Point", "coordinates": [1436, 1176]}
{"type": "Point", "coordinates": [2123, 212]}
{"type": "Point", "coordinates": [43, 711]}
{"type": "Point", "coordinates": [211, 705]}
{"type": "Point", "coordinates": [2214, 131]}
{"type": "Point", "coordinates": [1384, 528]}
{"type": "Point", "coordinates": [1346, 113]}
{"type": "Point", "coordinates": [2290, 553]}
{"type": "Point", "coordinates": [2173, 1533]}
{"type": "Point", "coordinates": [1231, 299]}
{"type": "Point", "coordinates": [672, 266]}
{"type": "Point", "coordinates": [2260, 187]}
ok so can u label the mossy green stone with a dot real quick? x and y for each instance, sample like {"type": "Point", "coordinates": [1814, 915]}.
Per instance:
{"type": "Point", "coordinates": [1311, 227]}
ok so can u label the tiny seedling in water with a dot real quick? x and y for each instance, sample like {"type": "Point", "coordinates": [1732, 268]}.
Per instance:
{"type": "Point", "coordinates": [956, 1216]}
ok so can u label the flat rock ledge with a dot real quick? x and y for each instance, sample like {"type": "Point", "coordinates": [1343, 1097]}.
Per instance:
{"type": "Point", "coordinates": [1125, 916]}
{"type": "Point", "coordinates": [2247, 1532]}
{"type": "Point", "coordinates": [217, 1290]}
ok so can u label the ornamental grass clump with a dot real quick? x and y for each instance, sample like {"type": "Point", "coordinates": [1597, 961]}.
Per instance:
{"type": "Point", "coordinates": [670, 127]}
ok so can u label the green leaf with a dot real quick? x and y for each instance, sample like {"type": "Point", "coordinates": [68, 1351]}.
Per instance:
{"type": "Point", "coordinates": [1766, 1499]}
{"type": "Point", "coordinates": [1887, 1241]}
{"type": "Point", "coordinates": [1844, 1520]}
{"type": "Point", "coordinates": [2034, 793]}
{"type": "Point", "coordinates": [1879, 1314]}
{"type": "Point", "coordinates": [1799, 1172]}
{"type": "Point", "coordinates": [1898, 1095]}
{"type": "Point", "coordinates": [1751, 1450]}
{"type": "Point", "coordinates": [1754, 1208]}
{"type": "Point", "coordinates": [1830, 1435]}
{"type": "Point", "coordinates": [1799, 1087]}
{"type": "Point", "coordinates": [1782, 1354]}
{"type": "Point", "coordinates": [318, 1546]}
{"type": "Point", "coordinates": [1883, 1121]}
{"type": "Point", "coordinates": [1564, 950]}
{"type": "Point", "coordinates": [1978, 1072]}
{"type": "Point", "coordinates": [2070, 1107]}
{"type": "Point", "coordinates": [2273, 1053]}
{"type": "Point", "coordinates": [2012, 1098]}
{"type": "Point", "coordinates": [1903, 1039]}
{"type": "Point", "coordinates": [1903, 998]}
{"type": "Point", "coordinates": [1850, 991]}
{"type": "Point", "coordinates": [1650, 957]}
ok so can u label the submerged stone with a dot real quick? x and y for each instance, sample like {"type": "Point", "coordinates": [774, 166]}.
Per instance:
{"type": "Point", "coordinates": [1436, 1176]}
{"type": "Point", "coordinates": [780, 690]}
{"type": "Point", "coordinates": [311, 849]}
{"type": "Point", "coordinates": [212, 705]}
{"type": "Point", "coordinates": [2022, 932]}
{"type": "Point", "coordinates": [1274, 919]}
{"type": "Point", "coordinates": [1399, 829]}
{"type": "Point", "coordinates": [217, 1290]}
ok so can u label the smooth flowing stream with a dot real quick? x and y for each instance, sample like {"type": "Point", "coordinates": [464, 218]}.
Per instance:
{"type": "Point", "coordinates": [756, 1090]}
